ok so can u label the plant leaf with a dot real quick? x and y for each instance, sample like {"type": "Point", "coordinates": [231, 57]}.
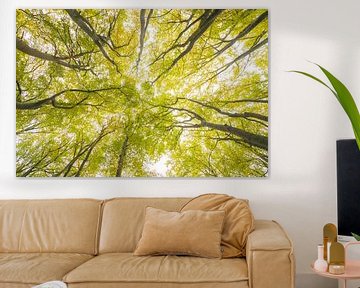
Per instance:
{"type": "Point", "coordinates": [356, 236]}
{"type": "Point", "coordinates": [316, 79]}
{"type": "Point", "coordinates": [347, 102]}
{"type": "Point", "coordinates": [344, 97]}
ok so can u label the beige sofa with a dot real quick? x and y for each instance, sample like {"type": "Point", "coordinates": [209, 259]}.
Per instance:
{"type": "Point", "coordinates": [89, 243]}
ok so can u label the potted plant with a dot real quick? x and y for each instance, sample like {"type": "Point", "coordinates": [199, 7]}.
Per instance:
{"type": "Point", "coordinates": [346, 100]}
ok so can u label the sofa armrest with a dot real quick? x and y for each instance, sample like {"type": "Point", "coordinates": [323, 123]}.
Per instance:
{"type": "Point", "coordinates": [269, 256]}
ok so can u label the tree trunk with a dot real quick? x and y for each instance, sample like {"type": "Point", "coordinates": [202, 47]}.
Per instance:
{"type": "Point", "coordinates": [249, 138]}
{"type": "Point", "coordinates": [144, 23]}
{"type": "Point", "coordinates": [122, 156]}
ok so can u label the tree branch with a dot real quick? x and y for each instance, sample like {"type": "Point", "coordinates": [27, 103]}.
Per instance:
{"type": "Point", "coordinates": [23, 47]}
{"type": "Point", "coordinates": [265, 101]}
{"type": "Point", "coordinates": [52, 99]}
{"type": "Point", "coordinates": [248, 52]}
{"type": "Point", "coordinates": [86, 149]}
{"type": "Point", "coordinates": [85, 25]}
{"type": "Point", "coordinates": [252, 139]}
{"type": "Point", "coordinates": [175, 44]}
{"type": "Point", "coordinates": [204, 25]}
{"type": "Point", "coordinates": [242, 33]}
{"type": "Point", "coordinates": [237, 115]}
{"type": "Point", "coordinates": [143, 27]}
{"type": "Point", "coordinates": [241, 56]}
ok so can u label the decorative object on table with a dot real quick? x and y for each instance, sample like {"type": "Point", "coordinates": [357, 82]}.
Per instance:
{"type": "Point", "coordinates": [337, 258]}
{"type": "Point", "coordinates": [344, 97]}
{"type": "Point", "coordinates": [333, 252]}
{"type": "Point", "coordinates": [142, 93]}
{"type": "Point", "coordinates": [336, 269]}
{"type": "Point", "coordinates": [329, 236]}
{"type": "Point", "coordinates": [320, 264]}
{"type": "Point", "coordinates": [51, 284]}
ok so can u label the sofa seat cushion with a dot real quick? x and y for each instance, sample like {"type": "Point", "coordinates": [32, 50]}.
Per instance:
{"type": "Point", "coordinates": [36, 268]}
{"type": "Point", "coordinates": [127, 268]}
{"type": "Point", "coordinates": [242, 284]}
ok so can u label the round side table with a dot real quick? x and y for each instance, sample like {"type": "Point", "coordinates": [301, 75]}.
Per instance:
{"type": "Point", "coordinates": [352, 269]}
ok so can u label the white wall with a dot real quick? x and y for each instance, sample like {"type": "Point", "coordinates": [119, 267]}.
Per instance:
{"type": "Point", "coordinates": [305, 120]}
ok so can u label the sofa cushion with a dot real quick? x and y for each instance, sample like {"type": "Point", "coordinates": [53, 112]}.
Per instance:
{"type": "Point", "coordinates": [126, 268]}
{"type": "Point", "coordinates": [237, 284]}
{"type": "Point", "coordinates": [193, 232]}
{"type": "Point", "coordinates": [123, 220]}
{"type": "Point", "coordinates": [15, 285]}
{"type": "Point", "coordinates": [239, 220]}
{"type": "Point", "coordinates": [63, 226]}
{"type": "Point", "coordinates": [36, 268]}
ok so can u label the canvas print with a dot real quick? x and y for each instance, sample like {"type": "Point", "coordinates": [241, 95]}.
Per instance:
{"type": "Point", "coordinates": [141, 93]}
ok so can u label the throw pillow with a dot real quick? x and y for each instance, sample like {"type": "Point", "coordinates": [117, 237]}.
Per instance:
{"type": "Point", "coordinates": [238, 224]}
{"type": "Point", "coordinates": [196, 233]}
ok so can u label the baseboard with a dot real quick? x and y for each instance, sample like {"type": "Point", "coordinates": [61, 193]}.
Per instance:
{"type": "Point", "coordinates": [310, 280]}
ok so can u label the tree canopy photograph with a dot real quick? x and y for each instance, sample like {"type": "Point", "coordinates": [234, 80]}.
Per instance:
{"type": "Point", "coordinates": [141, 93]}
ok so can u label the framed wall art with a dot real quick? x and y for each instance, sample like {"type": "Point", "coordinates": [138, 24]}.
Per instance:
{"type": "Point", "coordinates": [142, 93]}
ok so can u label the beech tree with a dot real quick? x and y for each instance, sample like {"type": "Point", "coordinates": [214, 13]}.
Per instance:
{"type": "Point", "coordinates": [137, 93]}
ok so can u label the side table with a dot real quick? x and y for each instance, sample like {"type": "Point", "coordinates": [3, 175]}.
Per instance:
{"type": "Point", "coordinates": [352, 269]}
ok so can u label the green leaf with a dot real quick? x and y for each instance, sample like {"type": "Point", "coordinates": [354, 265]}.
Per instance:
{"type": "Point", "coordinates": [344, 97]}
{"type": "Point", "coordinates": [356, 236]}
{"type": "Point", "coordinates": [316, 79]}
{"type": "Point", "coordinates": [346, 100]}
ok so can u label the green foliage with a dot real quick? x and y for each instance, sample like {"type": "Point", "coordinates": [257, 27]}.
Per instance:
{"type": "Point", "coordinates": [138, 93]}
{"type": "Point", "coordinates": [344, 97]}
{"type": "Point", "coordinates": [357, 237]}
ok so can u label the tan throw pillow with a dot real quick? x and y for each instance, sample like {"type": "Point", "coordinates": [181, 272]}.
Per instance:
{"type": "Point", "coordinates": [239, 220]}
{"type": "Point", "coordinates": [196, 233]}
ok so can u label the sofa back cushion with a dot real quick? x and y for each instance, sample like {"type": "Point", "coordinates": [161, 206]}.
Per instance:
{"type": "Point", "coordinates": [67, 226]}
{"type": "Point", "coordinates": [238, 224]}
{"type": "Point", "coordinates": [123, 220]}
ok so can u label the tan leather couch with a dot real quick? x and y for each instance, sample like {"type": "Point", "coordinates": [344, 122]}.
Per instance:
{"type": "Point", "coordinates": [89, 243]}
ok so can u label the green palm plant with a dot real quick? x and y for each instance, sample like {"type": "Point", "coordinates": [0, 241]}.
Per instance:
{"type": "Point", "coordinates": [344, 97]}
